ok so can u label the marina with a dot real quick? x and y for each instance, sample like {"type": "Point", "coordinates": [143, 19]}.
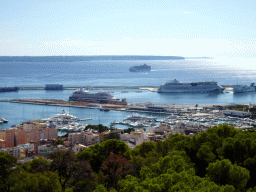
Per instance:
{"type": "Point", "coordinates": [147, 103]}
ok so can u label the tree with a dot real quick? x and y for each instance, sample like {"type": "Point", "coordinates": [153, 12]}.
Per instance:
{"type": "Point", "coordinates": [59, 142]}
{"type": "Point", "coordinates": [100, 128]}
{"type": "Point", "coordinates": [83, 179]}
{"type": "Point", "coordinates": [39, 182]}
{"type": "Point", "coordinates": [129, 130]}
{"type": "Point", "coordinates": [63, 164]}
{"type": "Point", "coordinates": [7, 164]}
{"type": "Point", "coordinates": [114, 168]}
{"type": "Point", "coordinates": [146, 147]}
{"type": "Point", "coordinates": [37, 165]}
{"type": "Point", "coordinates": [223, 172]}
{"type": "Point", "coordinates": [98, 153]}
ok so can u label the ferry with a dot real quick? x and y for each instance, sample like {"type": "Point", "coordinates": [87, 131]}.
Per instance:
{"type": "Point", "coordinates": [141, 68]}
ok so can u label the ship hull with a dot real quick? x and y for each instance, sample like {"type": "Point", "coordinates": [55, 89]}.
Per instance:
{"type": "Point", "coordinates": [190, 91]}
{"type": "Point", "coordinates": [243, 90]}
{"type": "Point", "coordinates": [144, 70]}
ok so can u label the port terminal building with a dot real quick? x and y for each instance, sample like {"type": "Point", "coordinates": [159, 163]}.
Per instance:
{"type": "Point", "coordinates": [53, 87]}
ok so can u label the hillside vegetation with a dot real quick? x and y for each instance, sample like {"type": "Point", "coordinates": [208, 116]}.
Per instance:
{"type": "Point", "coordinates": [220, 159]}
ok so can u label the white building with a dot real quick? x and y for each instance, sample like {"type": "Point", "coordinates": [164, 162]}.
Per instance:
{"type": "Point", "coordinates": [15, 151]}
{"type": "Point", "coordinates": [26, 147]}
{"type": "Point", "coordinates": [164, 127]}
{"type": "Point", "coordinates": [78, 147]}
{"type": "Point", "coordinates": [136, 137]}
{"type": "Point", "coordinates": [43, 149]}
{"type": "Point", "coordinates": [85, 138]}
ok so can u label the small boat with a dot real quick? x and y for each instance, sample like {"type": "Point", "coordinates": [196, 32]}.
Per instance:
{"type": "Point", "coordinates": [85, 119]}
{"type": "Point", "coordinates": [4, 120]}
{"type": "Point", "coordinates": [104, 109]}
{"type": "Point", "coordinates": [124, 91]}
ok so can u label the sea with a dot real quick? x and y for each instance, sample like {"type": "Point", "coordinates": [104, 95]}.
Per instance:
{"type": "Point", "coordinates": [77, 72]}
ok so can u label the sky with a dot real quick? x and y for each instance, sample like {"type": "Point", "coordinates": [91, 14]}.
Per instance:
{"type": "Point", "coordinates": [189, 28]}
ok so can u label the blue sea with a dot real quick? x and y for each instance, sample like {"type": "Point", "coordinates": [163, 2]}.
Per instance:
{"type": "Point", "coordinates": [81, 73]}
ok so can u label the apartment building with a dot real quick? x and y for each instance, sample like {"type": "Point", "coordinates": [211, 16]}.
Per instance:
{"type": "Point", "coordinates": [15, 151]}
{"type": "Point", "coordinates": [28, 132]}
{"type": "Point", "coordinates": [83, 137]}
{"type": "Point", "coordinates": [136, 137]}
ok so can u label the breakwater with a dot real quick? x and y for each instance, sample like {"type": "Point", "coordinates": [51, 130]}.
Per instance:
{"type": "Point", "coordinates": [93, 87]}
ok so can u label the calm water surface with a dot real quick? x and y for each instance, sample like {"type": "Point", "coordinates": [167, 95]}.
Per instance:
{"type": "Point", "coordinates": [116, 73]}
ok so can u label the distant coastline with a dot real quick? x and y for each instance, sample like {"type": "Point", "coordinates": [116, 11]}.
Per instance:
{"type": "Point", "coordinates": [199, 58]}
{"type": "Point", "coordinates": [85, 58]}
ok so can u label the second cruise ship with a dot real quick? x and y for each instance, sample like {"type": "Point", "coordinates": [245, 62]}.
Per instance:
{"type": "Point", "coordinates": [176, 86]}
{"type": "Point", "coordinates": [99, 97]}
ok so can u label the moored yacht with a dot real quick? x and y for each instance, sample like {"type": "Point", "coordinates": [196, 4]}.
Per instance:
{"type": "Point", "coordinates": [4, 120]}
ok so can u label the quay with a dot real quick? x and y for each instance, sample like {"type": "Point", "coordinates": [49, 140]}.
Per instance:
{"type": "Point", "coordinates": [145, 107]}
{"type": "Point", "coordinates": [66, 103]}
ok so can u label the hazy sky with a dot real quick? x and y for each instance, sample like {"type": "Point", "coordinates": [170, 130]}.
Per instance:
{"type": "Point", "coordinates": [128, 27]}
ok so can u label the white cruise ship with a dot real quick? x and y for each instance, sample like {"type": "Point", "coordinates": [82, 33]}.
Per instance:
{"type": "Point", "coordinates": [243, 88]}
{"type": "Point", "coordinates": [175, 86]}
{"type": "Point", "coordinates": [85, 94]}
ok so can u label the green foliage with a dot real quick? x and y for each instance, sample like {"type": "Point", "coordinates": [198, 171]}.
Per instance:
{"type": "Point", "coordinates": [37, 165]}
{"type": "Point", "coordinates": [224, 172]}
{"type": "Point", "coordinates": [220, 159]}
{"type": "Point", "coordinates": [100, 188]}
{"type": "Point", "coordinates": [223, 131]}
{"type": "Point", "coordinates": [7, 164]}
{"type": "Point", "coordinates": [83, 179]}
{"type": "Point", "coordinates": [40, 182]}
{"type": "Point", "coordinates": [129, 130]}
{"type": "Point", "coordinates": [168, 164]}
{"type": "Point", "coordinates": [146, 147]}
{"type": "Point", "coordinates": [62, 164]}
{"type": "Point", "coordinates": [182, 181]}
{"type": "Point", "coordinates": [59, 142]}
{"type": "Point", "coordinates": [162, 148]}
{"type": "Point", "coordinates": [100, 128]}
{"type": "Point", "coordinates": [114, 168]}
{"type": "Point", "coordinates": [98, 153]}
